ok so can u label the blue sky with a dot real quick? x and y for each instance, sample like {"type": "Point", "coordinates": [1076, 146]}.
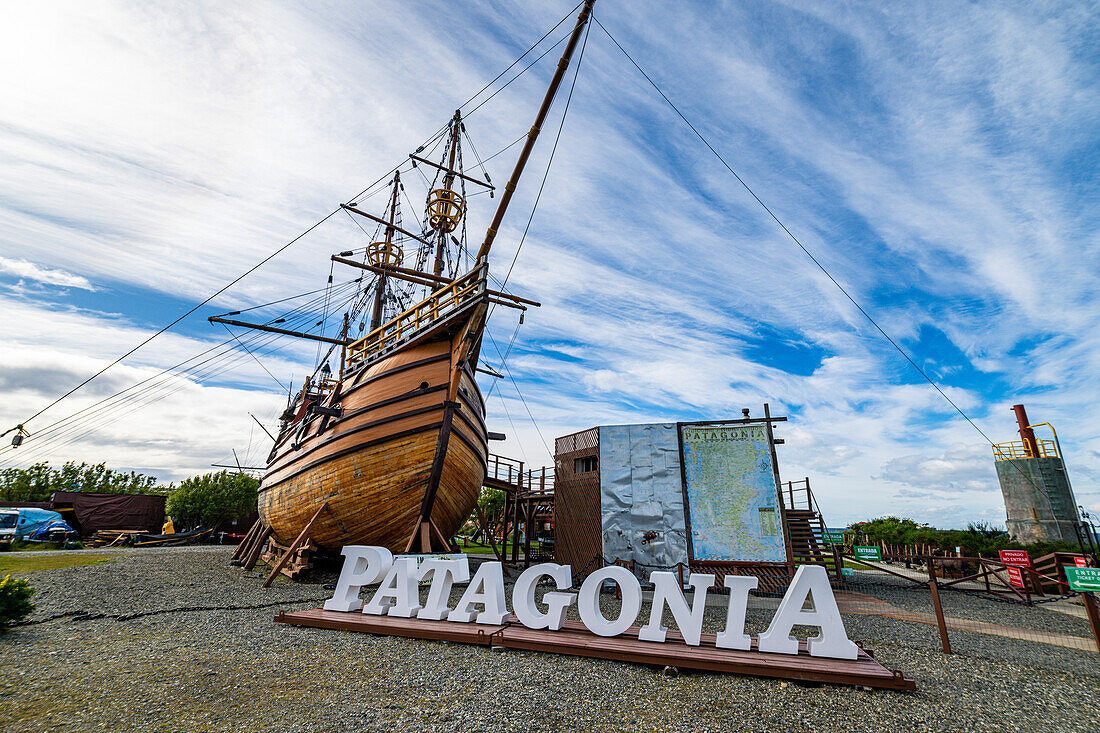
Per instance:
{"type": "Point", "coordinates": [940, 160]}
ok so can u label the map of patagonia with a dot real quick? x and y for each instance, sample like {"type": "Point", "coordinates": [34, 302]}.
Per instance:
{"type": "Point", "coordinates": [731, 495]}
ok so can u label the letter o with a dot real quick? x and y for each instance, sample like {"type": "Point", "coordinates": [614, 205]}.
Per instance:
{"type": "Point", "coordinates": [589, 602]}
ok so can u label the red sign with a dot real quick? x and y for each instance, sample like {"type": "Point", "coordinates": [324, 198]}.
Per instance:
{"type": "Point", "coordinates": [1015, 576]}
{"type": "Point", "coordinates": [1019, 558]}
{"type": "Point", "coordinates": [1080, 562]}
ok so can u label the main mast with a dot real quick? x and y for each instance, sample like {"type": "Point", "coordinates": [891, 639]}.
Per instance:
{"type": "Point", "coordinates": [528, 146]}
{"type": "Point", "coordinates": [385, 253]}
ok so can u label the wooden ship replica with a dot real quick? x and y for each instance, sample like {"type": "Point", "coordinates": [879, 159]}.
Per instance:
{"type": "Point", "coordinates": [391, 449]}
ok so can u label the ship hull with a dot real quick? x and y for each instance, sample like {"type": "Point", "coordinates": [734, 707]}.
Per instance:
{"type": "Point", "coordinates": [372, 464]}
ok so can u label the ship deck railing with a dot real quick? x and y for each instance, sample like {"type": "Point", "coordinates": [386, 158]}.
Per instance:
{"type": "Point", "coordinates": [432, 310]}
{"type": "Point", "coordinates": [1013, 450]}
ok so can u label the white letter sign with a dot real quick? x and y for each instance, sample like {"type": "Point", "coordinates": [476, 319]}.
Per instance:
{"type": "Point", "coordinates": [523, 596]}
{"type": "Point", "coordinates": [734, 636]}
{"type": "Point", "coordinates": [362, 566]}
{"type": "Point", "coordinates": [810, 581]}
{"type": "Point", "coordinates": [399, 595]}
{"type": "Point", "coordinates": [589, 602]}
{"type": "Point", "coordinates": [486, 589]}
{"type": "Point", "coordinates": [667, 591]}
{"type": "Point", "coordinates": [443, 572]}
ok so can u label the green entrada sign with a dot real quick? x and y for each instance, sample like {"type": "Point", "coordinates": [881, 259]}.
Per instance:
{"type": "Point", "coordinates": [833, 538]}
{"type": "Point", "coordinates": [1083, 579]}
{"type": "Point", "coordinates": [867, 552]}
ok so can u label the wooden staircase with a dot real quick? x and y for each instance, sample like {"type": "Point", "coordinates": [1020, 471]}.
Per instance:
{"type": "Point", "coordinates": [805, 525]}
{"type": "Point", "coordinates": [806, 529]}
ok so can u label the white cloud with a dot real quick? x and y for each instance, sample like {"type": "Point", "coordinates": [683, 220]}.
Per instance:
{"type": "Point", "coordinates": [45, 275]}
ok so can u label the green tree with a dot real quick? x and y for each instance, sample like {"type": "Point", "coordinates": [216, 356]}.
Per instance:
{"type": "Point", "coordinates": [207, 500]}
{"type": "Point", "coordinates": [37, 482]}
{"type": "Point", "coordinates": [979, 539]}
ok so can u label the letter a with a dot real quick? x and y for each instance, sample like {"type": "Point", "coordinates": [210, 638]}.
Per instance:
{"type": "Point", "coordinates": [486, 589]}
{"type": "Point", "coordinates": [810, 581]}
{"type": "Point", "coordinates": [399, 594]}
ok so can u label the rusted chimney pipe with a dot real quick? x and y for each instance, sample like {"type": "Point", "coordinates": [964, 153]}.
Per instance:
{"type": "Point", "coordinates": [1026, 433]}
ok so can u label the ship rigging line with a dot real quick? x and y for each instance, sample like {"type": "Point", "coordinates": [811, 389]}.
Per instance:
{"type": "Point", "coordinates": [795, 239]}
{"type": "Point", "coordinates": [508, 371]}
{"type": "Point", "coordinates": [104, 411]}
{"type": "Point", "coordinates": [256, 358]}
{"type": "Point", "coordinates": [316, 224]}
{"type": "Point", "coordinates": [545, 175]}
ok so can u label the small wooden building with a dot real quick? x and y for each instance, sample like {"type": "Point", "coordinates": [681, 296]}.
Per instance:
{"type": "Point", "coordinates": [703, 496]}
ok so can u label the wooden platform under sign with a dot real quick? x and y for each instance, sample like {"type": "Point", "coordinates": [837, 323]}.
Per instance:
{"type": "Point", "coordinates": [413, 628]}
{"type": "Point", "coordinates": [576, 640]}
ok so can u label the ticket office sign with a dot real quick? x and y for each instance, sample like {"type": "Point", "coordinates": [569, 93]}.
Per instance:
{"type": "Point", "coordinates": [1083, 579]}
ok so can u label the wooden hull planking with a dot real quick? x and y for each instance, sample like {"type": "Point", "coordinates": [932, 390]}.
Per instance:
{"type": "Point", "coordinates": [372, 464]}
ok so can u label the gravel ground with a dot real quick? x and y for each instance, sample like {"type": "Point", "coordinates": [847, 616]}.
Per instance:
{"type": "Point", "coordinates": [962, 605]}
{"type": "Point", "coordinates": [214, 670]}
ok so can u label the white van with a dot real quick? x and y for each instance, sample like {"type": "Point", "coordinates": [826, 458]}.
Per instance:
{"type": "Point", "coordinates": [9, 521]}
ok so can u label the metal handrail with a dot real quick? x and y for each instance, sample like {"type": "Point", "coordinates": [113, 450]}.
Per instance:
{"type": "Point", "coordinates": [1012, 450]}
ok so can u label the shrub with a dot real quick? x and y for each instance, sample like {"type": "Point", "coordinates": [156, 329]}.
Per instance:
{"type": "Point", "coordinates": [208, 500]}
{"type": "Point", "coordinates": [15, 601]}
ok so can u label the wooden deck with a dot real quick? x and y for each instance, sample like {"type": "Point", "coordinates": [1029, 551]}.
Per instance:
{"type": "Point", "coordinates": [576, 640]}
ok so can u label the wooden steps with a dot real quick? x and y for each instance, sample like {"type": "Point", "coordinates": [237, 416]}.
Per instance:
{"type": "Point", "coordinates": [806, 530]}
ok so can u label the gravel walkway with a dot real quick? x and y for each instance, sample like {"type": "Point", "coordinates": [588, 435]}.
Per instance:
{"type": "Point", "coordinates": [233, 670]}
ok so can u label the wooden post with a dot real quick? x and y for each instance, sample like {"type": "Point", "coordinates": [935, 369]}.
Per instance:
{"type": "Point", "coordinates": [838, 563]}
{"type": "Point", "coordinates": [505, 522]}
{"type": "Point", "coordinates": [489, 536]}
{"type": "Point", "coordinates": [938, 608]}
{"type": "Point", "coordinates": [246, 542]}
{"type": "Point", "coordinates": [515, 515]}
{"type": "Point", "coordinates": [528, 518]}
{"type": "Point", "coordinates": [294, 545]}
{"type": "Point", "coordinates": [1092, 609]}
{"type": "Point", "coordinates": [257, 548]}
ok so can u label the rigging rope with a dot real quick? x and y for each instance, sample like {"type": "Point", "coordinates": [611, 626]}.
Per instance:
{"type": "Point", "coordinates": [795, 239]}
{"type": "Point", "coordinates": [51, 433]}
{"type": "Point", "coordinates": [434, 138]}
{"type": "Point", "coordinates": [814, 259]}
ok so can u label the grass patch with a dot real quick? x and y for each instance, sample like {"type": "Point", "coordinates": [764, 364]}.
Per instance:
{"type": "Point", "coordinates": [477, 548]}
{"type": "Point", "coordinates": [25, 564]}
{"type": "Point", "coordinates": [21, 546]}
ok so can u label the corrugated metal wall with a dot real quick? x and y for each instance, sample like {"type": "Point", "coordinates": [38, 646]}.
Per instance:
{"type": "Point", "coordinates": [641, 497]}
{"type": "Point", "coordinates": [578, 536]}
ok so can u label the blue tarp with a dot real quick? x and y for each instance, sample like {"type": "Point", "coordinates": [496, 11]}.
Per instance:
{"type": "Point", "coordinates": [31, 520]}
{"type": "Point", "coordinates": [44, 530]}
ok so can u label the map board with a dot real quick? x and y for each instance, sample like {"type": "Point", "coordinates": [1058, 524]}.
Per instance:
{"type": "Point", "coordinates": [730, 493]}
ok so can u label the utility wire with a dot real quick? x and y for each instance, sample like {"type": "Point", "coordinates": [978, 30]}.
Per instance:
{"type": "Point", "coordinates": [288, 244]}
{"type": "Point", "coordinates": [790, 234]}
